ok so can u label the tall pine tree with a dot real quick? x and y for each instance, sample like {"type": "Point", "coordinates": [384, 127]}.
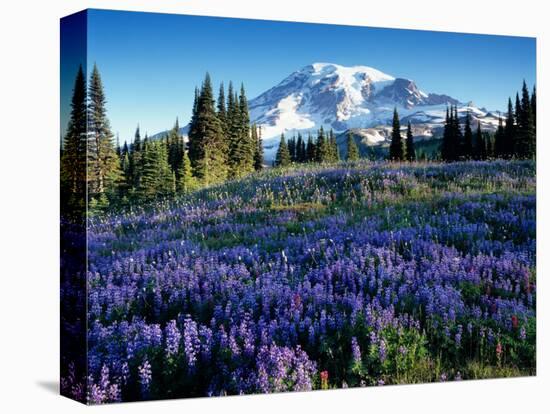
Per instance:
{"type": "Point", "coordinates": [467, 146]}
{"type": "Point", "coordinates": [396, 145]}
{"type": "Point", "coordinates": [207, 146]}
{"type": "Point", "coordinates": [259, 153]}
{"type": "Point", "coordinates": [282, 158]}
{"type": "Point", "coordinates": [411, 153]}
{"type": "Point", "coordinates": [352, 150]}
{"type": "Point", "coordinates": [103, 165]}
{"type": "Point", "coordinates": [73, 159]}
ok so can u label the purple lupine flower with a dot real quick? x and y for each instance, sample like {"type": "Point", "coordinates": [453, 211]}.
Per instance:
{"type": "Point", "coordinates": [458, 336]}
{"type": "Point", "coordinates": [173, 337]}
{"type": "Point", "coordinates": [355, 350]}
{"type": "Point", "coordinates": [382, 350]}
{"type": "Point", "coordinates": [145, 378]}
{"type": "Point", "coordinates": [191, 340]}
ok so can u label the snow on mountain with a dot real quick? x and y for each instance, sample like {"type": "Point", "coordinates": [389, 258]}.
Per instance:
{"type": "Point", "coordinates": [358, 97]}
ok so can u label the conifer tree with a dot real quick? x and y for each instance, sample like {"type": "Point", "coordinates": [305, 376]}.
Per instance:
{"type": "Point", "coordinates": [259, 154]}
{"type": "Point", "coordinates": [526, 145]}
{"type": "Point", "coordinates": [185, 180]}
{"type": "Point", "coordinates": [311, 150]}
{"type": "Point", "coordinates": [507, 145]}
{"type": "Point", "coordinates": [73, 159]}
{"type": "Point", "coordinates": [534, 110]}
{"type": "Point", "coordinates": [456, 134]}
{"type": "Point", "coordinates": [221, 110]}
{"type": "Point", "coordinates": [333, 155]}
{"type": "Point", "coordinates": [247, 162]}
{"type": "Point", "coordinates": [500, 140]}
{"type": "Point", "coordinates": [467, 148]}
{"type": "Point", "coordinates": [174, 143]}
{"type": "Point", "coordinates": [195, 139]}
{"type": "Point", "coordinates": [207, 146]}
{"type": "Point", "coordinates": [322, 149]}
{"type": "Point", "coordinates": [447, 149]}
{"type": "Point", "coordinates": [133, 176]}
{"type": "Point", "coordinates": [480, 150]}
{"type": "Point", "coordinates": [292, 148]}
{"type": "Point", "coordinates": [282, 158]}
{"type": "Point", "coordinates": [103, 165]}
{"type": "Point", "coordinates": [396, 145]}
{"type": "Point", "coordinates": [352, 150]}
{"type": "Point", "coordinates": [241, 150]}
{"type": "Point", "coordinates": [517, 110]}
{"type": "Point", "coordinates": [410, 151]}
{"type": "Point", "coordinates": [300, 148]}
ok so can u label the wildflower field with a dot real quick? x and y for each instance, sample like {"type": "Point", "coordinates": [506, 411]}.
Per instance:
{"type": "Point", "coordinates": [316, 277]}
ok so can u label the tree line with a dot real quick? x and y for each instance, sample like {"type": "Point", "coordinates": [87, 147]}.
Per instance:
{"type": "Point", "coordinates": [97, 173]}
{"type": "Point", "coordinates": [324, 149]}
{"type": "Point", "coordinates": [514, 138]}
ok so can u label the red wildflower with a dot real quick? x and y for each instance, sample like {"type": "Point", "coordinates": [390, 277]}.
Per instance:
{"type": "Point", "coordinates": [324, 380]}
{"type": "Point", "coordinates": [514, 321]}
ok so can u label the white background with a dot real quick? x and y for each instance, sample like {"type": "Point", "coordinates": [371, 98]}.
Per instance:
{"type": "Point", "coordinates": [29, 108]}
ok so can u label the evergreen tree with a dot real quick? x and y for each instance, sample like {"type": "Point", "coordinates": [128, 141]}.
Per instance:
{"type": "Point", "coordinates": [456, 134]}
{"type": "Point", "coordinates": [207, 146]}
{"type": "Point", "coordinates": [489, 147]}
{"type": "Point", "coordinates": [447, 146]}
{"type": "Point", "coordinates": [467, 148]}
{"type": "Point", "coordinates": [103, 165]}
{"type": "Point", "coordinates": [300, 149]}
{"type": "Point", "coordinates": [506, 149]}
{"type": "Point", "coordinates": [396, 145]}
{"type": "Point", "coordinates": [480, 150]}
{"type": "Point", "coordinates": [247, 163]}
{"type": "Point", "coordinates": [292, 148]}
{"type": "Point", "coordinates": [333, 153]}
{"type": "Point", "coordinates": [534, 110]}
{"type": "Point", "coordinates": [411, 154]}
{"type": "Point", "coordinates": [311, 150]}
{"type": "Point", "coordinates": [73, 159]}
{"type": "Point", "coordinates": [517, 111]}
{"type": "Point", "coordinates": [525, 143]}
{"type": "Point", "coordinates": [259, 154]}
{"type": "Point", "coordinates": [282, 158]}
{"type": "Point", "coordinates": [185, 180]}
{"type": "Point", "coordinates": [500, 140]}
{"type": "Point", "coordinates": [133, 176]}
{"type": "Point", "coordinates": [118, 149]}
{"type": "Point", "coordinates": [174, 143]}
{"type": "Point", "coordinates": [194, 136]}
{"type": "Point", "coordinates": [221, 110]}
{"type": "Point", "coordinates": [322, 147]}
{"type": "Point", "coordinates": [241, 147]}
{"type": "Point", "coordinates": [352, 150]}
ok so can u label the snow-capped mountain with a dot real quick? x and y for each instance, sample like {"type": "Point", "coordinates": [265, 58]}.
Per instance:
{"type": "Point", "coordinates": [358, 97]}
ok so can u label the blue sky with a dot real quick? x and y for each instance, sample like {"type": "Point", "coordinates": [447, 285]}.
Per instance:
{"type": "Point", "coordinates": [150, 63]}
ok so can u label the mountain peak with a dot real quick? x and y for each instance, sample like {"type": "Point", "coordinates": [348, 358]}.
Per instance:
{"type": "Point", "coordinates": [325, 69]}
{"type": "Point", "coordinates": [338, 97]}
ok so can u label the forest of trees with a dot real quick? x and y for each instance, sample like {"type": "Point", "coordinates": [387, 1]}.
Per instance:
{"type": "Point", "coordinates": [323, 149]}
{"type": "Point", "coordinates": [514, 138]}
{"type": "Point", "coordinates": [222, 144]}
{"type": "Point", "coordinates": [96, 172]}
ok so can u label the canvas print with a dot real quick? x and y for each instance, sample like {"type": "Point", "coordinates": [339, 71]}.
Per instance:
{"type": "Point", "coordinates": [255, 206]}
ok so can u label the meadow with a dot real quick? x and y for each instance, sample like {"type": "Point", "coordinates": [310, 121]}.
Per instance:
{"type": "Point", "coordinates": [316, 277]}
